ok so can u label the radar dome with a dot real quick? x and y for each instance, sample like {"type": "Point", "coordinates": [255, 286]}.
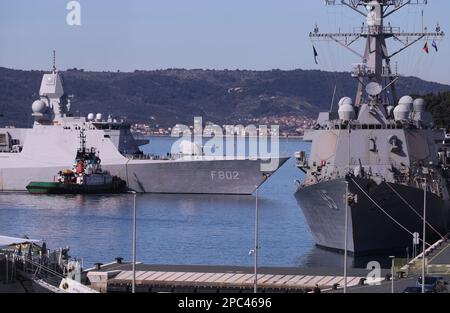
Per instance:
{"type": "Point", "coordinates": [91, 116]}
{"type": "Point", "coordinates": [346, 101]}
{"type": "Point", "coordinates": [39, 106]}
{"type": "Point", "coordinates": [419, 105]}
{"type": "Point", "coordinates": [99, 117]}
{"type": "Point", "coordinates": [346, 110]}
{"type": "Point", "coordinates": [190, 148]}
{"type": "Point", "coordinates": [406, 100]}
{"type": "Point", "coordinates": [402, 112]}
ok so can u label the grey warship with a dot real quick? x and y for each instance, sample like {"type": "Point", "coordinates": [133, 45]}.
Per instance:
{"type": "Point", "coordinates": [37, 153]}
{"type": "Point", "coordinates": [379, 158]}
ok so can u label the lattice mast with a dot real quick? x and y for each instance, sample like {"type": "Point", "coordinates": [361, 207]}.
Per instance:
{"type": "Point", "coordinates": [376, 60]}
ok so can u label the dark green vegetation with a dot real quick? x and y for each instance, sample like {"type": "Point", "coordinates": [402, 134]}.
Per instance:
{"type": "Point", "coordinates": [172, 96]}
{"type": "Point", "coordinates": [439, 105]}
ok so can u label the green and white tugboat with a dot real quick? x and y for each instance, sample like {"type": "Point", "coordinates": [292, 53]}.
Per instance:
{"type": "Point", "coordinates": [86, 176]}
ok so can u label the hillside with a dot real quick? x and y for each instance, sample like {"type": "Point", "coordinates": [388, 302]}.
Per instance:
{"type": "Point", "coordinates": [172, 96]}
{"type": "Point", "coordinates": [439, 105]}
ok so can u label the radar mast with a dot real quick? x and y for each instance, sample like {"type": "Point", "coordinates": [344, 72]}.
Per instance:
{"type": "Point", "coordinates": [376, 64]}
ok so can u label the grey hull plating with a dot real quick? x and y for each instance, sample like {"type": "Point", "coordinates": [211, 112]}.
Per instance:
{"type": "Point", "coordinates": [197, 177]}
{"type": "Point", "coordinates": [194, 177]}
{"type": "Point", "coordinates": [370, 229]}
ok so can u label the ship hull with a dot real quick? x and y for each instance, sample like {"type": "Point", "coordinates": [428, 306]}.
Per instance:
{"type": "Point", "coordinates": [233, 177]}
{"type": "Point", "coordinates": [370, 229]}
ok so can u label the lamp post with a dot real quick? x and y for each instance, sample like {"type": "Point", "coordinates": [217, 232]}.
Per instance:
{"type": "Point", "coordinates": [255, 286]}
{"type": "Point", "coordinates": [346, 213]}
{"type": "Point", "coordinates": [346, 237]}
{"type": "Point", "coordinates": [133, 286]}
{"type": "Point", "coordinates": [424, 234]}
{"type": "Point", "coordinates": [392, 272]}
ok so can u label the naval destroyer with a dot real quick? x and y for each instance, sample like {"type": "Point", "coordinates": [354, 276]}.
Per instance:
{"type": "Point", "coordinates": [37, 153]}
{"type": "Point", "coordinates": [379, 160]}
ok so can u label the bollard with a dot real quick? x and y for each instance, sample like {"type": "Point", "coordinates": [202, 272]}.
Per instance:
{"type": "Point", "coordinates": [119, 260]}
{"type": "Point", "coordinates": [98, 266]}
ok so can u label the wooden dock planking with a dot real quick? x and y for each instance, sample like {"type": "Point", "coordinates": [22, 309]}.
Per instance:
{"type": "Point", "coordinates": [294, 280]}
{"type": "Point", "coordinates": [190, 277]}
{"type": "Point", "coordinates": [314, 281]}
{"type": "Point", "coordinates": [325, 281]}
{"type": "Point", "coordinates": [286, 278]}
{"type": "Point", "coordinates": [220, 278]}
{"type": "Point", "coordinates": [145, 277]}
{"type": "Point", "coordinates": [154, 276]}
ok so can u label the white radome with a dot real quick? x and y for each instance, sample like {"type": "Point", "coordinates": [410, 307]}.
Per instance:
{"type": "Point", "coordinates": [408, 100]}
{"type": "Point", "coordinates": [39, 106]}
{"type": "Point", "coordinates": [190, 148]}
{"type": "Point", "coordinates": [346, 110]}
{"type": "Point", "coordinates": [419, 105]}
{"type": "Point", "coordinates": [345, 101]}
{"type": "Point", "coordinates": [402, 112]}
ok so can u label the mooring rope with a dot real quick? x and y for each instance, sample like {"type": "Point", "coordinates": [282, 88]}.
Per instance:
{"type": "Point", "coordinates": [386, 213]}
{"type": "Point", "coordinates": [417, 213]}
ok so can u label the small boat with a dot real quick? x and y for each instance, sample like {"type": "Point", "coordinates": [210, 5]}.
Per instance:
{"type": "Point", "coordinates": [86, 177]}
{"type": "Point", "coordinates": [108, 185]}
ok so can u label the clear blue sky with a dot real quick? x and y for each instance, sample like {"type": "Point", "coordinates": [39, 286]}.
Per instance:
{"type": "Point", "coordinates": [214, 34]}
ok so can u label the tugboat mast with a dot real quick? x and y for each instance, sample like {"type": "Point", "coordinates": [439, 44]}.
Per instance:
{"type": "Point", "coordinates": [376, 60]}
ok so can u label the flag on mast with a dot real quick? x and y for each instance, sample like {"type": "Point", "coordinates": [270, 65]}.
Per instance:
{"type": "Point", "coordinates": [425, 48]}
{"type": "Point", "coordinates": [434, 44]}
{"type": "Point", "coordinates": [316, 55]}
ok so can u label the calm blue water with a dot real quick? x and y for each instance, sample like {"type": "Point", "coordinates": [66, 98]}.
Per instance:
{"type": "Point", "coordinates": [173, 229]}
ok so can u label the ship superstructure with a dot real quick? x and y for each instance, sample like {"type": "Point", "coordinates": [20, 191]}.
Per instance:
{"type": "Point", "coordinates": [378, 153]}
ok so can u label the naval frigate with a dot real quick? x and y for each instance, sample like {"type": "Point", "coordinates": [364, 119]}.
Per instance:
{"type": "Point", "coordinates": [379, 163]}
{"type": "Point", "coordinates": [37, 153]}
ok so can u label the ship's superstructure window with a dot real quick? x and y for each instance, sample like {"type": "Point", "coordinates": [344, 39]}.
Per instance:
{"type": "Point", "coordinates": [5, 142]}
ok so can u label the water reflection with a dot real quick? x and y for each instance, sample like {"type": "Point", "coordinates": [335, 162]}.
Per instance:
{"type": "Point", "coordinates": [172, 229]}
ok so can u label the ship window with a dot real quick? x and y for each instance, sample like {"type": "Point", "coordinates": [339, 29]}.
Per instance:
{"type": "Point", "coordinates": [107, 136]}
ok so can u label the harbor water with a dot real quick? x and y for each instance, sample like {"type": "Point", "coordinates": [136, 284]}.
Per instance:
{"type": "Point", "coordinates": [174, 229]}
